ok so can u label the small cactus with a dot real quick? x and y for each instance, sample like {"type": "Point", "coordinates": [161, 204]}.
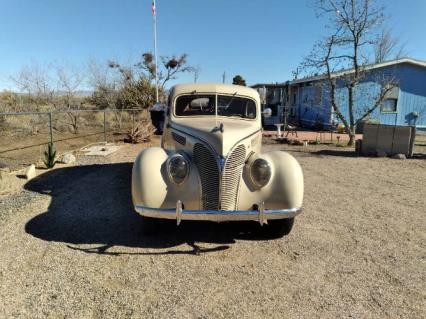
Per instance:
{"type": "Point", "coordinates": [49, 156]}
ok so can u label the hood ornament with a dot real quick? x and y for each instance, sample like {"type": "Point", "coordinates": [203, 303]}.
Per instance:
{"type": "Point", "coordinates": [220, 128]}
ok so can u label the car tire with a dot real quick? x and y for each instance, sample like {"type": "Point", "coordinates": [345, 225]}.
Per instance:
{"type": "Point", "coordinates": [278, 228]}
{"type": "Point", "coordinates": [150, 226]}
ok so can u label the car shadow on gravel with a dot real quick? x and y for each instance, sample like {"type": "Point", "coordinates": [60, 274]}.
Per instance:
{"type": "Point", "coordinates": [91, 205]}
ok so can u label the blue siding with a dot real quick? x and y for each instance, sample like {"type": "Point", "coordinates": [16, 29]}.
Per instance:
{"type": "Point", "coordinates": [412, 98]}
{"type": "Point", "coordinates": [313, 106]}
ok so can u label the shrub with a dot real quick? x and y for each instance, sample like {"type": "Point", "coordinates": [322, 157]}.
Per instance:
{"type": "Point", "coordinates": [140, 132]}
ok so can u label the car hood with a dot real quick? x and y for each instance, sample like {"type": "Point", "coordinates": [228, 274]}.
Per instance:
{"type": "Point", "coordinates": [208, 131]}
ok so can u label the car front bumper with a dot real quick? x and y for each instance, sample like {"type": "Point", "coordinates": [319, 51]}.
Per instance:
{"type": "Point", "coordinates": [260, 215]}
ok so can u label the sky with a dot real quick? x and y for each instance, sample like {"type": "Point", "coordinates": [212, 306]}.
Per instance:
{"type": "Point", "coordinates": [263, 40]}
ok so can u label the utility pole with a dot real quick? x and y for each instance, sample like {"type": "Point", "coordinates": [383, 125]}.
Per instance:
{"type": "Point", "coordinates": [196, 73]}
{"type": "Point", "coordinates": [224, 77]}
{"type": "Point", "coordinates": [154, 17]}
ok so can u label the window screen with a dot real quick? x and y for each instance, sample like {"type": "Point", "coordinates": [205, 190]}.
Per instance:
{"type": "Point", "coordinates": [389, 105]}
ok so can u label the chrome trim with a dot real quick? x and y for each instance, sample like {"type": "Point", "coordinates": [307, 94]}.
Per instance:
{"type": "Point", "coordinates": [262, 219]}
{"type": "Point", "coordinates": [179, 210]}
{"type": "Point", "coordinates": [218, 215]}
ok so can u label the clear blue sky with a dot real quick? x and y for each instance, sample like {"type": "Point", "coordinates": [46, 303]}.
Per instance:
{"type": "Point", "coordinates": [263, 40]}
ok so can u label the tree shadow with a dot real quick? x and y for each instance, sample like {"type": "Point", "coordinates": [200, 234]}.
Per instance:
{"type": "Point", "coordinates": [92, 205]}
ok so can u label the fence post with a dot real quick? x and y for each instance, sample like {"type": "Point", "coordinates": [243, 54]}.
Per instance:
{"type": "Point", "coordinates": [50, 127]}
{"type": "Point", "coordinates": [133, 119]}
{"type": "Point", "coordinates": [105, 137]}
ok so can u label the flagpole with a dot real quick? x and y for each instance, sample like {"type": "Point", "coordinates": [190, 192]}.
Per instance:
{"type": "Point", "coordinates": [154, 16]}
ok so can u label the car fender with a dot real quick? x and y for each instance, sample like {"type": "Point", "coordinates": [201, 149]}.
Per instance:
{"type": "Point", "coordinates": [285, 188]}
{"type": "Point", "coordinates": [149, 187]}
{"type": "Point", "coordinates": [152, 187]}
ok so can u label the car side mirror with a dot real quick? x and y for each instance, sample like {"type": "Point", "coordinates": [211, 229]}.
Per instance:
{"type": "Point", "coordinates": [267, 112]}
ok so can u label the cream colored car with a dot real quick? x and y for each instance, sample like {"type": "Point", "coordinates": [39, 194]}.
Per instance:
{"type": "Point", "coordinates": [210, 165]}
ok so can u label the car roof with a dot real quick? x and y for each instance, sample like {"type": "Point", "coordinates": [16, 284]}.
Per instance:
{"type": "Point", "coordinates": [214, 88]}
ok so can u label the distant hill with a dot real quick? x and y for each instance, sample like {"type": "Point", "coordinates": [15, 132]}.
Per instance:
{"type": "Point", "coordinates": [81, 93]}
{"type": "Point", "coordinates": [84, 93]}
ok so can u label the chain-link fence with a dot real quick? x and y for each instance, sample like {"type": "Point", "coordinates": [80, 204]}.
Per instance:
{"type": "Point", "coordinates": [24, 136]}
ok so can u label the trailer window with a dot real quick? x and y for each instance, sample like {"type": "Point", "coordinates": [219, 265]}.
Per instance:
{"type": "Point", "coordinates": [389, 106]}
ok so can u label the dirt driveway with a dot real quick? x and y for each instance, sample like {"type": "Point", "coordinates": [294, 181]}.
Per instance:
{"type": "Point", "coordinates": [71, 247]}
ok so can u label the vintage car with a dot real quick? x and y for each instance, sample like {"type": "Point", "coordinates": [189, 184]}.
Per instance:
{"type": "Point", "coordinates": [210, 165]}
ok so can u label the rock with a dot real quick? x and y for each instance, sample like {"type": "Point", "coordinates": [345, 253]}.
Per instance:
{"type": "Point", "coordinates": [68, 158]}
{"type": "Point", "coordinates": [4, 180]}
{"type": "Point", "coordinates": [3, 165]}
{"type": "Point", "coordinates": [399, 156]}
{"type": "Point", "coordinates": [30, 172]}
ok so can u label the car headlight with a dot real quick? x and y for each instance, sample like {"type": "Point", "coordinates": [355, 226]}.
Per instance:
{"type": "Point", "coordinates": [260, 172]}
{"type": "Point", "coordinates": [178, 168]}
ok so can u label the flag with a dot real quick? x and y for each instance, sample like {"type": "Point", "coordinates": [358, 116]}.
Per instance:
{"type": "Point", "coordinates": [154, 9]}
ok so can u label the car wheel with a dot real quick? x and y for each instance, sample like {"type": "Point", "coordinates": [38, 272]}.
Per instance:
{"type": "Point", "coordinates": [278, 228]}
{"type": "Point", "coordinates": [150, 226]}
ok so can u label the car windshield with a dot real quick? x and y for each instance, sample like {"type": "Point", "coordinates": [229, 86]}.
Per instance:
{"type": "Point", "coordinates": [200, 105]}
{"type": "Point", "coordinates": [236, 106]}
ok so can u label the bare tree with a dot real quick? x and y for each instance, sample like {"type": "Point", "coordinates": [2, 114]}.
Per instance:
{"type": "Point", "coordinates": [107, 87]}
{"type": "Point", "coordinates": [106, 84]}
{"type": "Point", "coordinates": [35, 82]}
{"type": "Point", "coordinates": [388, 47]}
{"type": "Point", "coordinates": [170, 67]}
{"type": "Point", "coordinates": [354, 24]}
{"type": "Point", "coordinates": [69, 80]}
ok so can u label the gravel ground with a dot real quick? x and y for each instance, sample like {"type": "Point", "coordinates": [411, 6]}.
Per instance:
{"type": "Point", "coordinates": [71, 247]}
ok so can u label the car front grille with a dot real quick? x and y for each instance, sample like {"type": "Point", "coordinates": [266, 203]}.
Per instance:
{"type": "Point", "coordinates": [210, 177]}
{"type": "Point", "coordinates": [231, 177]}
{"type": "Point", "coordinates": [208, 170]}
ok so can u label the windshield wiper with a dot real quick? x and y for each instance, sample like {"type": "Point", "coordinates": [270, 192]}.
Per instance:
{"type": "Point", "coordinates": [229, 104]}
